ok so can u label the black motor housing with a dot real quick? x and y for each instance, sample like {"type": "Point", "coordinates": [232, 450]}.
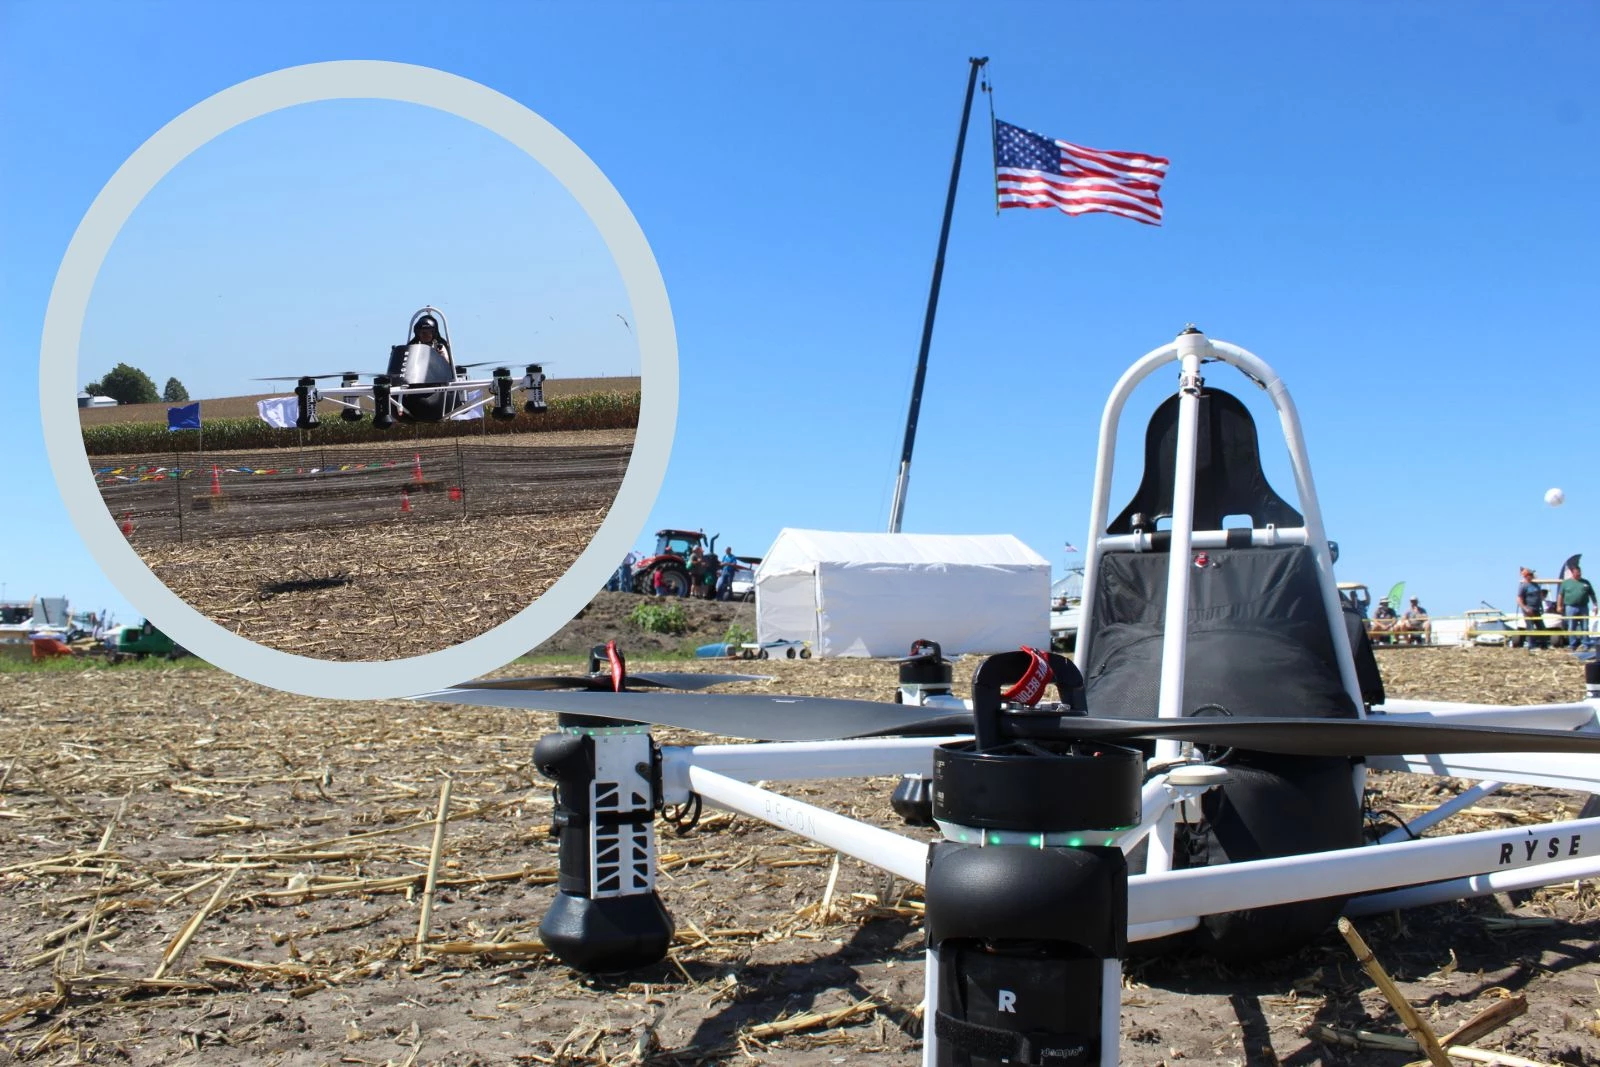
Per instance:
{"type": "Point", "coordinates": [1027, 898]}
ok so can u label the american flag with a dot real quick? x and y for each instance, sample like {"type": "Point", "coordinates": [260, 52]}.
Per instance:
{"type": "Point", "coordinates": [1035, 171]}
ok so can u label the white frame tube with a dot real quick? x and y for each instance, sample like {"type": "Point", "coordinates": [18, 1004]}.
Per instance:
{"type": "Point", "coordinates": [780, 761]}
{"type": "Point", "coordinates": [1478, 885]}
{"type": "Point", "coordinates": [885, 849]}
{"type": "Point", "coordinates": [1260, 883]}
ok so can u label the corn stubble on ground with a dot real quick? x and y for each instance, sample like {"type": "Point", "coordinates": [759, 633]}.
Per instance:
{"type": "Point", "coordinates": [265, 855]}
{"type": "Point", "coordinates": [400, 589]}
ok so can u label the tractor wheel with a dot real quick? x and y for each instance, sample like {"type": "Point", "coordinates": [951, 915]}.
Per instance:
{"type": "Point", "coordinates": [674, 582]}
{"type": "Point", "coordinates": [805, 653]}
{"type": "Point", "coordinates": [762, 654]}
{"type": "Point", "coordinates": [789, 653]}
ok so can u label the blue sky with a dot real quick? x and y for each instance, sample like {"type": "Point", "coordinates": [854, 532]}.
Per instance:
{"type": "Point", "coordinates": [1392, 205]}
{"type": "Point", "coordinates": [302, 242]}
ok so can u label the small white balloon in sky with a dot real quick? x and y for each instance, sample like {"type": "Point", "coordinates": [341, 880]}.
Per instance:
{"type": "Point", "coordinates": [1554, 497]}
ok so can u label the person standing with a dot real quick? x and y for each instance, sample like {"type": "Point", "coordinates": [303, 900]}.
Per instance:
{"type": "Point", "coordinates": [729, 564]}
{"type": "Point", "coordinates": [1575, 600]}
{"type": "Point", "coordinates": [623, 579]}
{"type": "Point", "coordinates": [699, 566]}
{"type": "Point", "coordinates": [1530, 599]}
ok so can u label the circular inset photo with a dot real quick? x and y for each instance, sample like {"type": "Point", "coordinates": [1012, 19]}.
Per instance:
{"type": "Point", "coordinates": [360, 380]}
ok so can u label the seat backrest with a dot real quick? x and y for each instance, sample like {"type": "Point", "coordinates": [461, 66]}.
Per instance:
{"type": "Point", "coordinates": [1259, 641]}
{"type": "Point", "coordinates": [1228, 475]}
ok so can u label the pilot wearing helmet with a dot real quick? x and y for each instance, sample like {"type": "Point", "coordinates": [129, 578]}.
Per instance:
{"type": "Point", "coordinates": [426, 332]}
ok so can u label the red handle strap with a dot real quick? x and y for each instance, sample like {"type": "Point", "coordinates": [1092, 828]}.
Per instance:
{"type": "Point", "coordinates": [1031, 686]}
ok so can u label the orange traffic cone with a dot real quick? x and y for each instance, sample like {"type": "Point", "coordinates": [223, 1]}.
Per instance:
{"type": "Point", "coordinates": [405, 501]}
{"type": "Point", "coordinates": [216, 480]}
{"type": "Point", "coordinates": [416, 470]}
{"type": "Point", "coordinates": [126, 526]}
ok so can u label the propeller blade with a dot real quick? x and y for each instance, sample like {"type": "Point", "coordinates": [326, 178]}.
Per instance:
{"type": "Point", "coordinates": [760, 717]}
{"type": "Point", "coordinates": [688, 680]}
{"type": "Point", "coordinates": [297, 377]}
{"type": "Point", "coordinates": [482, 363]}
{"type": "Point", "coordinates": [754, 717]}
{"type": "Point", "coordinates": [602, 682]}
{"type": "Point", "coordinates": [1310, 737]}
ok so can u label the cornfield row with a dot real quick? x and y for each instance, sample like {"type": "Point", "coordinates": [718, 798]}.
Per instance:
{"type": "Point", "coordinates": [591, 411]}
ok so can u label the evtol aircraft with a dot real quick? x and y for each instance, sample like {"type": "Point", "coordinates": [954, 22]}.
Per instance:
{"type": "Point", "coordinates": [1200, 773]}
{"type": "Point", "coordinates": [422, 383]}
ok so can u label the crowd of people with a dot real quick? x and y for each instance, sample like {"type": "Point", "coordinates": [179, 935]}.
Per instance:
{"type": "Point", "coordinates": [1567, 619]}
{"type": "Point", "coordinates": [1553, 614]}
{"type": "Point", "coordinates": [710, 577]}
{"type": "Point", "coordinates": [1388, 625]}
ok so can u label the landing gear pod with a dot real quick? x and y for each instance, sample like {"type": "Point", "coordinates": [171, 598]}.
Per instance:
{"type": "Point", "coordinates": [533, 390]}
{"type": "Point", "coordinates": [923, 673]}
{"type": "Point", "coordinates": [382, 410]}
{"type": "Point", "coordinates": [607, 916]}
{"type": "Point", "coordinates": [1027, 894]}
{"type": "Point", "coordinates": [350, 414]}
{"type": "Point", "coordinates": [502, 408]}
{"type": "Point", "coordinates": [305, 392]}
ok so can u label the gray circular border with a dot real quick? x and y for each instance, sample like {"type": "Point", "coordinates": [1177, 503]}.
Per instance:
{"type": "Point", "coordinates": [358, 79]}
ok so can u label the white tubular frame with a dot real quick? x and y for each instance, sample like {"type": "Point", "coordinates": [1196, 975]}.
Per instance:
{"type": "Point", "coordinates": [882, 848]}
{"type": "Point", "coordinates": [1192, 350]}
{"type": "Point", "coordinates": [1163, 901]}
{"type": "Point", "coordinates": [350, 397]}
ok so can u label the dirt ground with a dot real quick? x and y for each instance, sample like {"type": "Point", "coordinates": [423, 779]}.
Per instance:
{"type": "Point", "coordinates": [196, 869]}
{"type": "Point", "coordinates": [420, 579]}
{"type": "Point", "coordinates": [607, 617]}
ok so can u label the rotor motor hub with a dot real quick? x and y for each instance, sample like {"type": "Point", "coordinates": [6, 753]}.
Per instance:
{"type": "Point", "coordinates": [1039, 787]}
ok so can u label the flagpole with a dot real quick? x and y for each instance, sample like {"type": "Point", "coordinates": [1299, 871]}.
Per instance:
{"type": "Point", "coordinates": [897, 509]}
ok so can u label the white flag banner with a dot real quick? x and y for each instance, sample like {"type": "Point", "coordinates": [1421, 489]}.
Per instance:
{"type": "Point", "coordinates": [279, 411]}
{"type": "Point", "coordinates": [477, 412]}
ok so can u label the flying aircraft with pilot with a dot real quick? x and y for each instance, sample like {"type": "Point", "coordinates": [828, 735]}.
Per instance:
{"type": "Point", "coordinates": [423, 383]}
{"type": "Point", "coordinates": [1200, 774]}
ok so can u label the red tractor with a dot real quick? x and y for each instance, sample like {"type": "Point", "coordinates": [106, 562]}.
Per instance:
{"type": "Point", "coordinates": [671, 558]}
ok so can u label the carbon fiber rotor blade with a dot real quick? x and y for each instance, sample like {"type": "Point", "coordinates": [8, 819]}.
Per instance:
{"type": "Point", "coordinates": [688, 680]}
{"type": "Point", "coordinates": [1309, 737]}
{"type": "Point", "coordinates": [297, 377]}
{"type": "Point", "coordinates": [754, 717]}
{"type": "Point", "coordinates": [785, 718]}
{"type": "Point", "coordinates": [602, 682]}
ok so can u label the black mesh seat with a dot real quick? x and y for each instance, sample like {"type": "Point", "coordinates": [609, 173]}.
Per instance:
{"type": "Point", "coordinates": [1259, 642]}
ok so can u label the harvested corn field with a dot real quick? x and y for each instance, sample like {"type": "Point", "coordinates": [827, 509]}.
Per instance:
{"type": "Point", "coordinates": [232, 494]}
{"type": "Point", "coordinates": [197, 869]}
{"type": "Point", "coordinates": [360, 554]}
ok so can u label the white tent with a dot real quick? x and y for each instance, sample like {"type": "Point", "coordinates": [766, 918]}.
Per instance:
{"type": "Point", "coordinates": [872, 594]}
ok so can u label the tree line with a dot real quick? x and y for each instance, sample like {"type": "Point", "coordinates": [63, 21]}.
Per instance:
{"type": "Point", "coordinates": [129, 385]}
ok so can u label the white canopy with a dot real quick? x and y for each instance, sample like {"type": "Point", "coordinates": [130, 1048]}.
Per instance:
{"type": "Point", "coordinates": [873, 594]}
